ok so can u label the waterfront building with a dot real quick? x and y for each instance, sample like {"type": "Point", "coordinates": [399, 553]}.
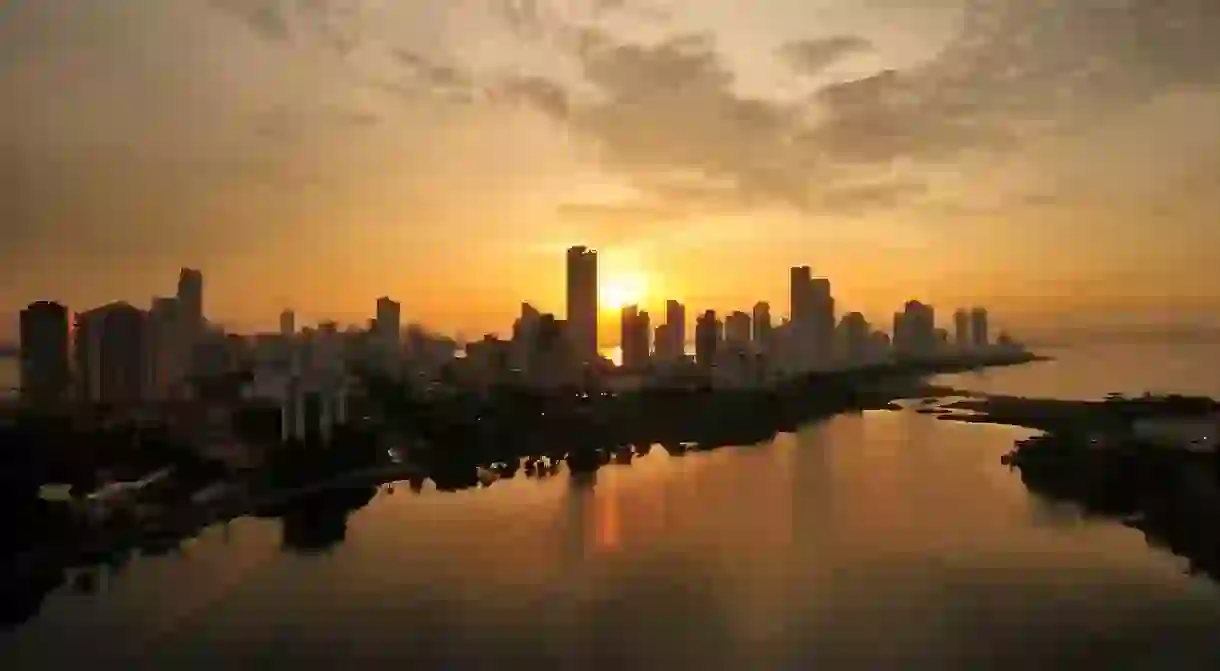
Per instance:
{"type": "Point", "coordinates": [44, 356]}
{"type": "Point", "coordinates": [582, 302]}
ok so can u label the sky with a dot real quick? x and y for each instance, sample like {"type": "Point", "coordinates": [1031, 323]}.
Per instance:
{"type": "Point", "coordinates": [1056, 160]}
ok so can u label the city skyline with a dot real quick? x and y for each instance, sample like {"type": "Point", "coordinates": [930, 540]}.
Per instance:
{"type": "Point", "coordinates": [326, 155]}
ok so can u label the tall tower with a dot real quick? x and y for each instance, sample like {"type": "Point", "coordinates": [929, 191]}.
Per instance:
{"type": "Point", "coordinates": [582, 302]}
{"type": "Point", "coordinates": [288, 324]}
{"type": "Point", "coordinates": [389, 329]}
{"type": "Point", "coordinates": [675, 321]}
{"type": "Point", "coordinates": [762, 326]}
{"type": "Point", "coordinates": [978, 327]}
{"type": "Point", "coordinates": [800, 295]}
{"type": "Point", "coordinates": [961, 328]}
{"type": "Point", "coordinates": [44, 353]}
{"type": "Point", "coordinates": [190, 306]}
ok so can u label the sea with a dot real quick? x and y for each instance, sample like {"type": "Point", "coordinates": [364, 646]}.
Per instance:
{"type": "Point", "coordinates": [886, 540]}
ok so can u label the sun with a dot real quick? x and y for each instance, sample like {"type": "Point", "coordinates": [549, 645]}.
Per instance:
{"type": "Point", "coordinates": [622, 289]}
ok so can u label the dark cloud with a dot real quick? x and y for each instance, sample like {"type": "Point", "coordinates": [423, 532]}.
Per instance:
{"type": "Point", "coordinates": [539, 19]}
{"type": "Point", "coordinates": [431, 73]}
{"type": "Point", "coordinates": [544, 95]}
{"type": "Point", "coordinates": [1021, 67]}
{"type": "Point", "coordinates": [1018, 68]}
{"type": "Point", "coordinates": [268, 19]}
{"type": "Point", "coordinates": [667, 112]}
{"type": "Point", "coordinates": [812, 56]}
{"type": "Point", "coordinates": [332, 23]}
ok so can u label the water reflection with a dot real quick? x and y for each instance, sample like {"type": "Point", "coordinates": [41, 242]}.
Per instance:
{"type": "Point", "coordinates": [887, 540]}
{"type": "Point", "coordinates": [318, 522]}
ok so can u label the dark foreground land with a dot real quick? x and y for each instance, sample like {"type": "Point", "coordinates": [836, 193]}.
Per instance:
{"type": "Point", "coordinates": [1091, 456]}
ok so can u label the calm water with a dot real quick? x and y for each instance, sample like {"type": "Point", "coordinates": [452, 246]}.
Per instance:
{"type": "Point", "coordinates": [1092, 372]}
{"type": "Point", "coordinates": [883, 541]}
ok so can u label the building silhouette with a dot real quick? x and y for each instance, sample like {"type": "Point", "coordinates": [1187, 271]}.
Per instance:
{"type": "Point", "coordinates": [166, 348]}
{"type": "Point", "coordinates": [979, 328]}
{"type": "Point", "coordinates": [961, 328]}
{"type": "Point", "coordinates": [707, 339]}
{"type": "Point", "coordinates": [634, 329]}
{"type": "Point", "coordinates": [582, 302]}
{"type": "Point", "coordinates": [761, 334]}
{"type": "Point", "coordinates": [190, 296]}
{"type": "Point", "coordinates": [45, 370]}
{"type": "Point", "coordinates": [737, 331]}
{"type": "Point", "coordinates": [288, 323]}
{"type": "Point", "coordinates": [111, 354]}
{"type": "Point", "coordinates": [915, 330]}
{"type": "Point", "coordinates": [854, 331]}
{"type": "Point", "coordinates": [813, 319]}
{"type": "Point", "coordinates": [675, 322]}
{"type": "Point", "coordinates": [388, 332]}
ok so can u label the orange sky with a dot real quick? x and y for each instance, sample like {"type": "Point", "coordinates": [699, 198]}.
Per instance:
{"type": "Point", "coordinates": [1040, 159]}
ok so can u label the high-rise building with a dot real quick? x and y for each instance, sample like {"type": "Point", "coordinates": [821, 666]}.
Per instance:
{"type": "Point", "coordinates": [660, 342]}
{"type": "Point", "coordinates": [800, 294]}
{"type": "Point", "coordinates": [675, 319]}
{"type": "Point", "coordinates": [762, 326]}
{"type": "Point", "coordinates": [707, 338]}
{"type": "Point", "coordinates": [854, 333]}
{"type": "Point", "coordinates": [822, 321]}
{"type": "Point", "coordinates": [45, 372]}
{"type": "Point", "coordinates": [978, 327]}
{"type": "Point", "coordinates": [388, 334]}
{"type": "Point", "coordinates": [525, 333]}
{"type": "Point", "coordinates": [112, 354]}
{"type": "Point", "coordinates": [288, 324]}
{"type": "Point", "coordinates": [961, 328]}
{"type": "Point", "coordinates": [190, 298]}
{"type": "Point", "coordinates": [918, 329]}
{"type": "Point", "coordinates": [635, 328]}
{"type": "Point", "coordinates": [737, 331]}
{"type": "Point", "coordinates": [582, 302]}
{"type": "Point", "coordinates": [167, 349]}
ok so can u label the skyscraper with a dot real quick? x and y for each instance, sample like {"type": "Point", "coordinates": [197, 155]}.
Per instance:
{"type": "Point", "coordinates": [978, 327]}
{"type": "Point", "coordinates": [800, 295]}
{"type": "Point", "coordinates": [582, 302]}
{"type": "Point", "coordinates": [854, 333]}
{"type": "Point", "coordinates": [919, 328]}
{"type": "Point", "coordinates": [190, 298]}
{"type": "Point", "coordinates": [389, 330]}
{"type": "Point", "coordinates": [737, 331]}
{"type": "Point", "coordinates": [762, 326]}
{"type": "Point", "coordinates": [961, 328]}
{"type": "Point", "coordinates": [288, 324]}
{"type": "Point", "coordinates": [635, 328]}
{"type": "Point", "coordinates": [822, 320]}
{"type": "Point", "coordinates": [166, 347]}
{"type": "Point", "coordinates": [706, 338]}
{"type": "Point", "coordinates": [675, 320]}
{"type": "Point", "coordinates": [112, 354]}
{"type": "Point", "coordinates": [45, 373]}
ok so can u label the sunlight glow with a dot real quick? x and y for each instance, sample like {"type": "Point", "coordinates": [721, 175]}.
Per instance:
{"type": "Point", "coordinates": [623, 289]}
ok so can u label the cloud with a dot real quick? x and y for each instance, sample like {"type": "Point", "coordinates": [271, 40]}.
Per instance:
{"type": "Point", "coordinates": [812, 56]}
{"type": "Point", "coordinates": [333, 23]}
{"type": "Point", "coordinates": [666, 114]}
{"type": "Point", "coordinates": [433, 74]}
{"type": "Point", "coordinates": [267, 19]}
{"type": "Point", "coordinates": [853, 199]}
{"type": "Point", "coordinates": [540, 93]}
